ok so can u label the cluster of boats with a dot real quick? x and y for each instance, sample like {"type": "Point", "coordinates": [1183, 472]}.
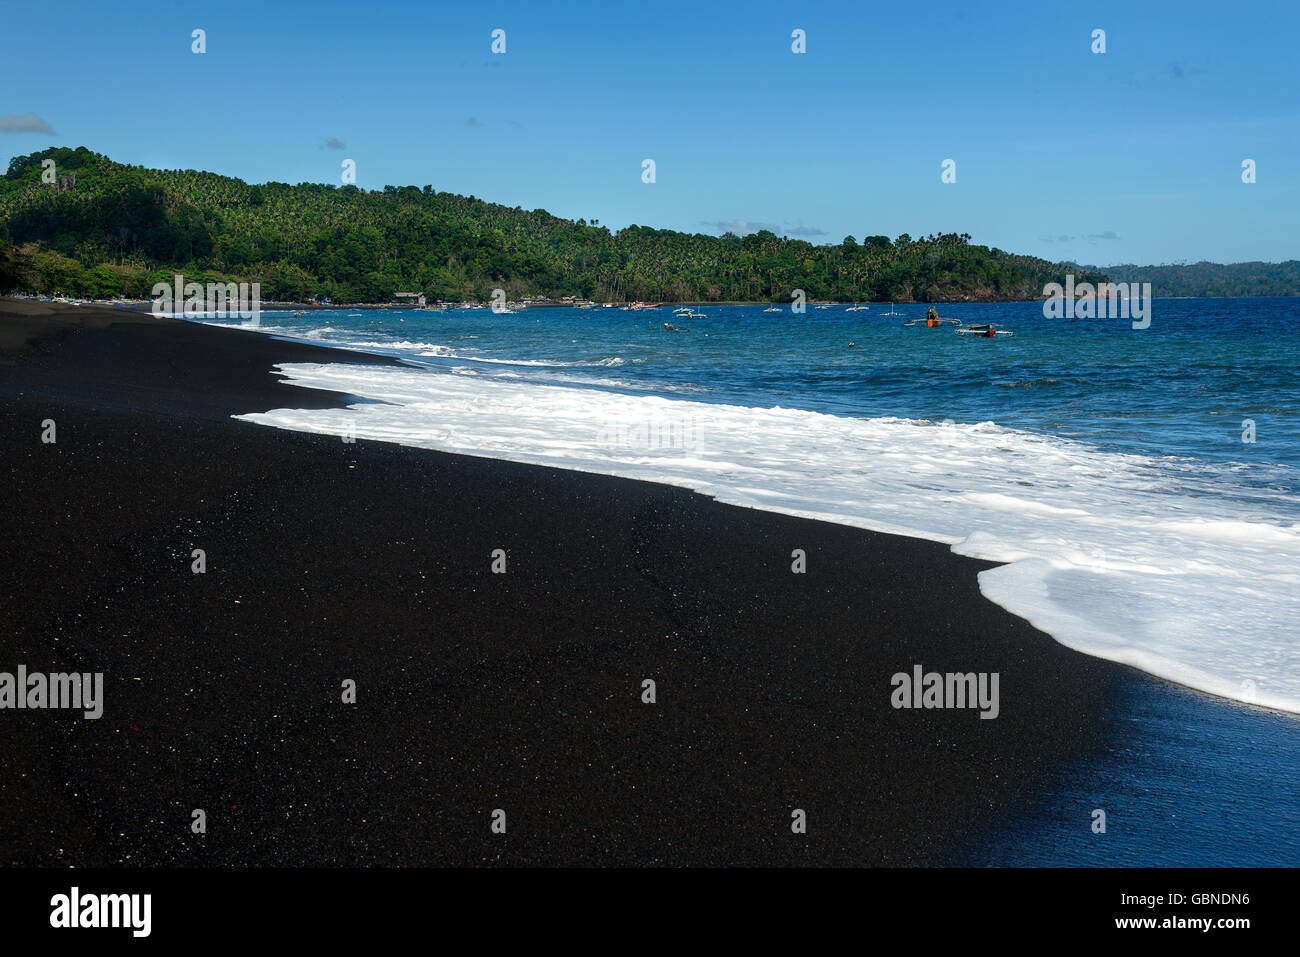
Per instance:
{"type": "Point", "coordinates": [931, 319]}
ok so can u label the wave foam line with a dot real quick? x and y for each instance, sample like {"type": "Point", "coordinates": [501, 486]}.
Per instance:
{"type": "Point", "coordinates": [1154, 564]}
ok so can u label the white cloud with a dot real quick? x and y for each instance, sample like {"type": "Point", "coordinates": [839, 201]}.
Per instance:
{"type": "Point", "coordinates": [27, 123]}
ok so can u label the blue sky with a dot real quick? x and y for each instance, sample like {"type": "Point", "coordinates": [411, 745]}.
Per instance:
{"type": "Point", "coordinates": [1133, 155]}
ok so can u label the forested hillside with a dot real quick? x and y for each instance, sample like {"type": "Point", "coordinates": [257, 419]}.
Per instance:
{"type": "Point", "coordinates": [119, 229]}
{"type": "Point", "coordinates": [1214, 279]}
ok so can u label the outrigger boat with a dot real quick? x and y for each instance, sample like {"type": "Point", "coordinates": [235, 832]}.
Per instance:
{"type": "Point", "coordinates": [987, 331]}
{"type": "Point", "coordinates": [932, 321]}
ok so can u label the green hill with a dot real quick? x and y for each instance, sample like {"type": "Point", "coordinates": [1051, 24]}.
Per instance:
{"type": "Point", "coordinates": [1213, 279]}
{"type": "Point", "coordinates": [119, 229]}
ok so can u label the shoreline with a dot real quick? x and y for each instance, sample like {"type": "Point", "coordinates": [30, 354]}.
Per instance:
{"type": "Point", "coordinates": [144, 306]}
{"type": "Point", "coordinates": [369, 561]}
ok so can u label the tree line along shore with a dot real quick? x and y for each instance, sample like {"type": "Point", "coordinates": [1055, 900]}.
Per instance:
{"type": "Point", "coordinates": [75, 223]}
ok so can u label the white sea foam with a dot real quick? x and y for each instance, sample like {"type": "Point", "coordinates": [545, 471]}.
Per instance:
{"type": "Point", "coordinates": [1132, 558]}
{"type": "Point", "coordinates": [537, 363]}
{"type": "Point", "coordinates": [347, 339]}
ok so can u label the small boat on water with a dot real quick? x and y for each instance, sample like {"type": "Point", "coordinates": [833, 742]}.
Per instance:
{"type": "Point", "coordinates": [857, 309]}
{"type": "Point", "coordinates": [986, 331]}
{"type": "Point", "coordinates": [932, 320]}
{"type": "Point", "coordinates": [773, 309]}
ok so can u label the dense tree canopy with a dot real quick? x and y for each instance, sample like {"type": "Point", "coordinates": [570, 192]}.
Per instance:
{"type": "Point", "coordinates": [118, 229]}
{"type": "Point", "coordinates": [1214, 279]}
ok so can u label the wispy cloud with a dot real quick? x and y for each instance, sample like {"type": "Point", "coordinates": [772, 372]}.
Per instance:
{"type": "Point", "coordinates": [743, 227]}
{"type": "Point", "coordinates": [1091, 237]}
{"type": "Point", "coordinates": [473, 121]}
{"type": "Point", "coordinates": [1177, 71]}
{"type": "Point", "coordinates": [333, 143]}
{"type": "Point", "coordinates": [27, 123]}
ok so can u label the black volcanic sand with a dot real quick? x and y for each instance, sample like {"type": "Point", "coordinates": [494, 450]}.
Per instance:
{"type": "Point", "coordinates": [328, 561]}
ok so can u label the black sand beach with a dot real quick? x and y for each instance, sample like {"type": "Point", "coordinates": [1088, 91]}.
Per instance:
{"type": "Point", "coordinates": [329, 561]}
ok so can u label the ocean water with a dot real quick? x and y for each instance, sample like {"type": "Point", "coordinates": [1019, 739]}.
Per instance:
{"type": "Point", "coordinates": [1183, 781]}
{"type": "Point", "coordinates": [1142, 486]}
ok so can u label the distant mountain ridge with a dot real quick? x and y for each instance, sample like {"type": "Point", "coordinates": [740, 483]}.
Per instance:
{"type": "Point", "coordinates": [1211, 279]}
{"type": "Point", "coordinates": [100, 228]}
